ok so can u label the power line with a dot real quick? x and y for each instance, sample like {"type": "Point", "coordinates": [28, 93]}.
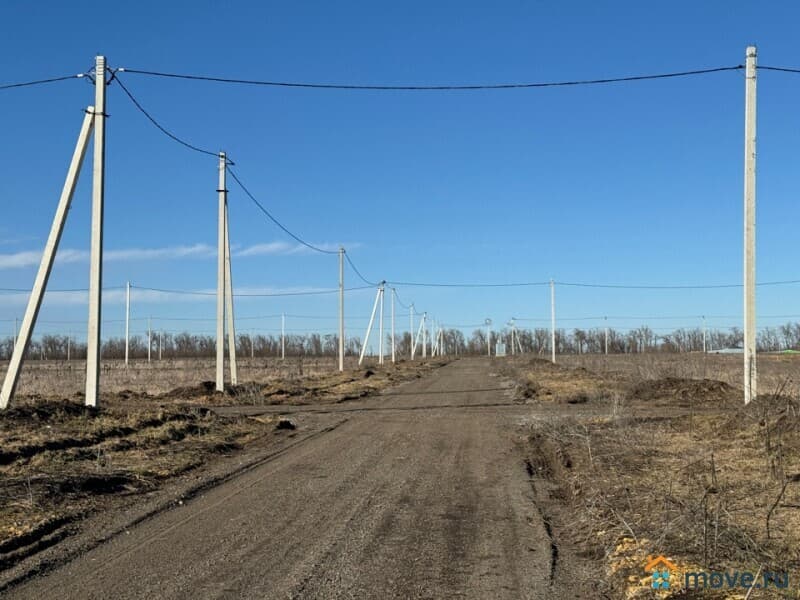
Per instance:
{"type": "Point", "coordinates": [673, 287]}
{"type": "Point", "coordinates": [469, 285]}
{"type": "Point", "coordinates": [473, 87]}
{"type": "Point", "coordinates": [782, 69]}
{"type": "Point", "coordinates": [158, 125]}
{"type": "Point", "coordinates": [358, 273]}
{"type": "Point", "coordinates": [274, 220]}
{"type": "Point", "coordinates": [9, 86]}
{"type": "Point", "coordinates": [241, 295]}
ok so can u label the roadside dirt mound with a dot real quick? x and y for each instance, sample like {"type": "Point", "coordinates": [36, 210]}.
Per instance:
{"type": "Point", "coordinates": [36, 409]}
{"type": "Point", "coordinates": [676, 391]}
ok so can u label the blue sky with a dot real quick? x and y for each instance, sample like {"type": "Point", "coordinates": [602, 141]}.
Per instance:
{"type": "Point", "coordinates": [635, 183]}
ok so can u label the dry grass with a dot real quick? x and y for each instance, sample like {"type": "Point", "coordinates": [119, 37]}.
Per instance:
{"type": "Point", "coordinates": [673, 466]}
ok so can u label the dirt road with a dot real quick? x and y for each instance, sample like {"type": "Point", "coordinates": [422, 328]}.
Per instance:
{"type": "Point", "coordinates": [417, 493]}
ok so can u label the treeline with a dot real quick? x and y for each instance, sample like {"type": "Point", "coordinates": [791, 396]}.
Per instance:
{"type": "Point", "coordinates": [536, 341]}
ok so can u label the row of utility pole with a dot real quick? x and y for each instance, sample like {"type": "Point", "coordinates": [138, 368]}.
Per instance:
{"type": "Point", "coordinates": [94, 124]}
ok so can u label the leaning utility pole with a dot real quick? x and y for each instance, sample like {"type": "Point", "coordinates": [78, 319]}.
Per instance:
{"type": "Point", "coordinates": [96, 248]}
{"type": "Point", "coordinates": [750, 372]}
{"type": "Point", "coordinates": [221, 202]}
{"type": "Point", "coordinates": [341, 308]}
{"type": "Point", "coordinates": [23, 336]}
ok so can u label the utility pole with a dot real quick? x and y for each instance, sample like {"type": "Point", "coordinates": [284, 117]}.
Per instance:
{"type": "Point", "coordinates": [606, 324]}
{"type": "Point", "coordinates": [69, 344]}
{"type": "Point", "coordinates": [127, 320]}
{"type": "Point", "coordinates": [369, 327]}
{"type": "Point", "coordinates": [149, 339]}
{"type": "Point", "coordinates": [160, 333]}
{"type": "Point", "coordinates": [393, 339]}
{"type": "Point", "coordinates": [341, 308]}
{"type": "Point", "coordinates": [222, 200]}
{"type": "Point", "coordinates": [488, 337]}
{"type": "Point", "coordinates": [704, 334]}
{"type": "Point", "coordinates": [424, 335]}
{"type": "Point", "coordinates": [380, 327]}
{"type": "Point", "coordinates": [553, 320]}
{"type": "Point", "coordinates": [22, 337]}
{"type": "Point", "coordinates": [412, 337]}
{"type": "Point", "coordinates": [229, 301]}
{"type": "Point", "coordinates": [96, 248]}
{"type": "Point", "coordinates": [750, 370]}
{"type": "Point", "coordinates": [283, 336]}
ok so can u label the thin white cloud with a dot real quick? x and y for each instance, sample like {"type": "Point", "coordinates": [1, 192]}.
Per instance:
{"type": "Point", "coordinates": [31, 258]}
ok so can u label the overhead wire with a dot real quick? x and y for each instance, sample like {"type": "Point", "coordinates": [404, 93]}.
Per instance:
{"type": "Point", "coordinates": [158, 125]}
{"type": "Point", "coordinates": [275, 220]}
{"type": "Point", "coordinates": [437, 87]}
{"type": "Point", "coordinates": [8, 86]}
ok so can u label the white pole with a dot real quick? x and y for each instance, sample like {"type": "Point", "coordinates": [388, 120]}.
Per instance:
{"type": "Point", "coordinates": [22, 339]}
{"type": "Point", "coordinates": [424, 335]}
{"type": "Point", "coordinates": [160, 333]}
{"type": "Point", "coordinates": [393, 338]}
{"type": "Point", "coordinates": [411, 331]}
{"type": "Point", "coordinates": [283, 336]}
{"type": "Point", "coordinates": [149, 338]}
{"type": "Point", "coordinates": [553, 320]}
{"type": "Point", "coordinates": [369, 327]}
{"type": "Point", "coordinates": [380, 330]}
{"type": "Point", "coordinates": [606, 344]}
{"type": "Point", "coordinates": [229, 302]}
{"type": "Point", "coordinates": [488, 337]}
{"type": "Point", "coordinates": [704, 334]}
{"type": "Point", "coordinates": [221, 202]}
{"type": "Point", "coordinates": [750, 370]}
{"type": "Point", "coordinates": [96, 251]}
{"type": "Point", "coordinates": [127, 320]}
{"type": "Point", "coordinates": [418, 336]}
{"type": "Point", "coordinates": [341, 308]}
{"type": "Point", "coordinates": [69, 344]}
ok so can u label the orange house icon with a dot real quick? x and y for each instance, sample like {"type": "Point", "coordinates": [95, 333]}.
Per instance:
{"type": "Point", "coordinates": [659, 561]}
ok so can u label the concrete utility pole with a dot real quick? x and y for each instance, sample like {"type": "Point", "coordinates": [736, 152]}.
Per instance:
{"type": "Point", "coordinates": [127, 320]}
{"type": "Point", "coordinates": [221, 202]}
{"type": "Point", "coordinates": [369, 327]}
{"type": "Point", "coordinates": [488, 337]}
{"type": "Point", "coordinates": [412, 337]}
{"type": "Point", "coordinates": [553, 320]}
{"type": "Point", "coordinates": [750, 371]}
{"type": "Point", "coordinates": [380, 329]}
{"type": "Point", "coordinates": [424, 335]}
{"type": "Point", "coordinates": [149, 338]}
{"type": "Point", "coordinates": [393, 339]}
{"type": "Point", "coordinates": [341, 308]}
{"type": "Point", "coordinates": [606, 324]}
{"type": "Point", "coordinates": [229, 302]}
{"type": "Point", "coordinates": [96, 248]}
{"type": "Point", "coordinates": [22, 338]}
{"type": "Point", "coordinates": [704, 334]}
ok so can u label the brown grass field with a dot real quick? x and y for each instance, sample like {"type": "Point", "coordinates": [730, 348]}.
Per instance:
{"type": "Point", "coordinates": [657, 454]}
